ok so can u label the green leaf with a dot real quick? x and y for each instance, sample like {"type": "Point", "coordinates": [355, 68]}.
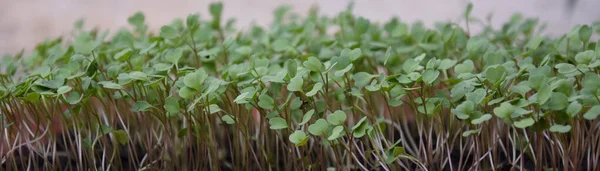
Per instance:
{"type": "Point", "coordinates": [446, 64]}
{"type": "Point", "coordinates": [481, 119]}
{"type": "Point", "coordinates": [464, 110]}
{"type": "Point", "coordinates": [337, 118]}
{"type": "Point", "coordinates": [360, 128]}
{"type": "Point", "coordinates": [123, 55]}
{"type": "Point", "coordinates": [168, 32]}
{"type": "Point", "coordinates": [196, 79]}
{"type": "Point", "coordinates": [63, 90]}
{"type": "Point", "coordinates": [307, 116]}
{"type": "Point", "coordinates": [558, 101]}
{"type": "Point", "coordinates": [299, 138]}
{"type": "Point", "coordinates": [336, 133]}
{"type": "Point", "coordinates": [141, 106]}
{"type": "Point", "coordinates": [592, 113]}
{"type": "Point", "coordinates": [314, 64]}
{"type": "Point", "coordinates": [228, 119]}
{"type": "Point", "coordinates": [410, 65]}
{"type": "Point", "coordinates": [244, 50]}
{"type": "Point", "coordinates": [560, 128]}
{"type": "Point", "coordinates": [343, 71]}
{"type": "Point", "coordinates": [392, 154]}
{"type": "Point", "coordinates": [574, 108]}
{"type": "Point", "coordinates": [278, 123]}
{"type": "Point", "coordinates": [353, 54]}
{"type": "Point", "coordinates": [266, 102]}
{"type": "Point", "coordinates": [565, 68]}
{"type": "Point", "coordinates": [318, 128]}
{"type": "Point", "coordinates": [121, 137]}
{"type": "Point", "coordinates": [295, 84]}
{"type": "Point", "coordinates": [504, 110]}
{"type": "Point", "coordinates": [214, 108]}
{"type": "Point", "coordinates": [495, 74]}
{"type": "Point", "coordinates": [388, 53]}
{"type": "Point", "coordinates": [476, 96]}
{"type": "Point", "coordinates": [362, 79]}
{"type": "Point", "coordinates": [465, 67]}
{"type": "Point", "coordinates": [585, 57]}
{"type": "Point", "coordinates": [534, 42]}
{"type": "Point", "coordinates": [173, 56]}
{"type": "Point", "coordinates": [187, 93]}
{"type": "Point", "coordinates": [544, 94]}
{"type": "Point", "coordinates": [524, 123]}
{"type": "Point", "coordinates": [470, 132]}
{"type": "Point", "coordinates": [172, 105]}
{"type": "Point", "coordinates": [585, 32]}
{"type": "Point", "coordinates": [292, 68]}
{"type": "Point", "coordinates": [216, 9]}
{"type": "Point", "coordinates": [429, 76]}
{"type": "Point", "coordinates": [318, 86]}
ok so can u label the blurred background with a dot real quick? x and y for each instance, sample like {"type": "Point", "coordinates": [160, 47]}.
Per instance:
{"type": "Point", "coordinates": [23, 23]}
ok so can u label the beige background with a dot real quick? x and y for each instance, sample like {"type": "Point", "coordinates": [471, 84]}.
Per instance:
{"type": "Point", "coordinates": [23, 23]}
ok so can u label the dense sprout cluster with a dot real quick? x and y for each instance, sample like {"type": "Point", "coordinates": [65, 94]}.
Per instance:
{"type": "Point", "coordinates": [309, 92]}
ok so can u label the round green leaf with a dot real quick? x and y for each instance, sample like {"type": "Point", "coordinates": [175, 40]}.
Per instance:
{"type": "Point", "coordinates": [141, 106]}
{"type": "Point", "coordinates": [337, 118]}
{"type": "Point", "coordinates": [574, 108]}
{"type": "Point", "coordinates": [278, 123]}
{"type": "Point", "coordinates": [168, 32]}
{"type": "Point", "coordinates": [299, 138]}
{"type": "Point", "coordinates": [295, 84]}
{"type": "Point", "coordinates": [560, 128]}
{"type": "Point", "coordinates": [481, 119]}
{"type": "Point", "coordinates": [504, 110]}
{"type": "Point", "coordinates": [228, 119]}
{"type": "Point", "coordinates": [307, 116]}
{"type": "Point", "coordinates": [318, 86]}
{"type": "Point", "coordinates": [524, 123]}
{"type": "Point", "coordinates": [319, 128]}
{"type": "Point", "coordinates": [592, 113]}
{"type": "Point", "coordinates": [63, 90]}
{"type": "Point", "coordinates": [314, 64]}
{"type": "Point", "coordinates": [336, 133]}
{"type": "Point", "coordinates": [266, 102]}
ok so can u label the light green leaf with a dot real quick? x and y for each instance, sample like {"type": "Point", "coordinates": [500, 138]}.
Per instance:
{"type": "Point", "coordinates": [172, 105]}
{"type": "Point", "coordinates": [481, 119]}
{"type": "Point", "coordinates": [429, 76]}
{"type": "Point", "coordinates": [299, 138]}
{"type": "Point", "coordinates": [360, 128]}
{"type": "Point", "coordinates": [168, 32]}
{"type": "Point", "coordinates": [560, 128]}
{"type": "Point", "coordinates": [141, 106]}
{"type": "Point", "coordinates": [314, 64]}
{"type": "Point", "coordinates": [228, 119]}
{"type": "Point", "coordinates": [318, 86]}
{"type": "Point", "coordinates": [504, 110]}
{"type": "Point", "coordinates": [244, 50]}
{"type": "Point", "coordinates": [592, 113]}
{"type": "Point", "coordinates": [173, 56]}
{"type": "Point", "coordinates": [524, 123]}
{"type": "Point", "coordinates": [574, 108]}
{"type": "Point", "coordinates": [195, 80]}
{"type": "Point", "coordinates": [337, 118]}
{"type": "Point", "coordinates": [318, 128]}
{"type": "Point", "coordinates": [544, 94]}
{"type": "Point", "coordinates": [295, 84]}
{"type": "Point", "coordinates": [187, 92]}
{"type": "Point", "coordinates": [278, 123]}
{"type": "Point", "coordinates": [123, 55]}
{"type": "Point", "coordinates": [63, 90]}
{"type": "Point", "coordinates": [465, 67]}
{"type": "Point", "coordinates": [307, 116]}
{"type": "Point", "coordinates": [336, 133]}
{"type": "Point", "coordinates": [565, 68]}
{"type": "Point", "coordinates": [476, 96]}
{"type": "Point", "coordinates": [110, 85]}
{"type": "Point", "coordinates": [266, 102]}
